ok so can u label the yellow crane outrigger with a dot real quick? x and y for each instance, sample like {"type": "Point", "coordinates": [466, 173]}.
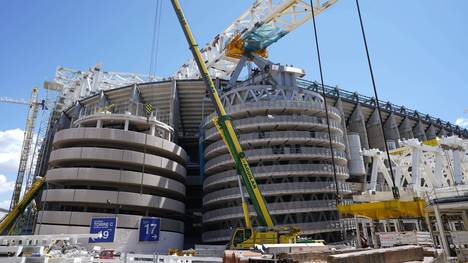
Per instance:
{"type": "Point", "coordinates": [242, 238]}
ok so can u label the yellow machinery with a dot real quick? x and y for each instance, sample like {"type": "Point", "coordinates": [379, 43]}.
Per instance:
{"type": "Point", "coordinates": [385, 209]}
{"type": "Point", "coordinates": [242, 238]}
{"type": "Point", "coordinates": [18, 209]}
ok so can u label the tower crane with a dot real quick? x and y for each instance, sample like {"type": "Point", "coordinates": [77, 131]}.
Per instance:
{"type": "Point", "coordinates": [34, 105]}
{"type": "Point", "coordinates": [246, 39]}
{"type": "Point", "coordinates": [261, 25]}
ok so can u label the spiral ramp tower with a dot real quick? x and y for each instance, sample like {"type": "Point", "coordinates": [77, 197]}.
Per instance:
{"type": "Point", "coordinates": [111, 161]}
{"type": "Point", "coordinates": [283, 131]}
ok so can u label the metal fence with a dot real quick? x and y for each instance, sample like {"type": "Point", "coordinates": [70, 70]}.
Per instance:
{"type": "Point", "coordinates": [387, 106]}
{"type": "Point", "coordinates": [124, 258]}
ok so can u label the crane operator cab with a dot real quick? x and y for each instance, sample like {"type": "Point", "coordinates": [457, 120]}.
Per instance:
{"type": "Point", "coordinates": [246, 238]}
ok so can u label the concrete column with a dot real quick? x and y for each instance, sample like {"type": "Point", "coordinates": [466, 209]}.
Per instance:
{"type": "Point", "coordinates": [174, 111]}
{"type": "Point", "coordinates": [358, 232]}
{"type": "Point", "coordinates": [418, 225]}
{"type": "Point", "coordinates": [339, 106]}
{"type": "Point", "coordinates": [442, 133]}
{"type": "Point", "coordinates": [406, 129]}
{"type": "Point", "coordinates": [127, 123]}
{"type": "Point", "coordinates": [356, 123]}
{"type": "Point", "coordinates": [397, 225]}
{"type": "Point", "coordinates": [99, 124]}
{"type": "Point", "coordinates": [364, 231]}
{"type": "Point", "coordinates": [440, 226]}
{"type": "Point", "coordinates": [418, 131]}
{"type": "Point", "coordinates": [428, 223]}
{"type": "Point", "coordinates": [153, 129]}
{"type": "Point", "coordinates": [356, 160]}
{"type": "Point", "coordinates": [457, 166]}
{"type": "Point", "coordinates": [391, 129]}
{"type": "Point", "coordinates": [431, 132]}
{"type": "Point", "coordinates": [385, 225]}
{"type": "Point", "coordinates": [374, 131]}
{"type": "Point", "coordinates": [133, 105]}
{"type": "Point", "coordinates": [465, 220]}
{"type": "Point", "coordinates": [373, 235]}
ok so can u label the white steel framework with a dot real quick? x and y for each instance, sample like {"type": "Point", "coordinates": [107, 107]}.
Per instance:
{"type": "Point", "coordinates": [74, 84]}
{"type": "Point", "coordinates": [264, 23]}
{"type": "Point", "coordinates": [420, 167]}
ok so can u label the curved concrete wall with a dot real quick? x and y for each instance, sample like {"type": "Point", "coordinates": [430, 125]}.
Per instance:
{"type": "Point", "coordinates": [287, 145]}
{"type": "Point", "coordinates": [98, 172]}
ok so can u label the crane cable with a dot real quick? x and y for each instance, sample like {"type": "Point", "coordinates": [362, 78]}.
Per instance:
{"type": "Point", "coordinates": [335, 179]}
{"type": "Point", "coordinates": [395, 191]}
{"type": "Point", "coordinates": [155, 39]}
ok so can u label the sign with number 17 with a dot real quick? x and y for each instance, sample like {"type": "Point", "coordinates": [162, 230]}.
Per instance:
{"type": "Point", "coordinates": [150, 228]}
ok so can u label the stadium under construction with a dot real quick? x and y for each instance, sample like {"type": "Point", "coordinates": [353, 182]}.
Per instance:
{"type": "Point", "coordinates": [97, 153]}
{"type": "Point", "coordinates": [129, 147]}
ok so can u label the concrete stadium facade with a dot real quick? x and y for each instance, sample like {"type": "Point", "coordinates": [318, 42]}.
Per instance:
{"type": "Point", "coordinates": [95, 166]}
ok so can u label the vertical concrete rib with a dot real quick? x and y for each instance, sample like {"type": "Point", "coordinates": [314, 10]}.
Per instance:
{"type": "Point", "coordinates": [174, 112]}
{"type": "Point", "coordinates": [339, 106]}
{"type": "Point", "coordinates": [406, 129]}
{"type": "Point", "coordinates": [356, 123]}
{"type": "Point", "coordinates": [391, 129]}
{"type": "Point", "coordinates": [418, 131]}
{"type": "Point", "coordinates": [374, 131]}
{"type": "Point", "coordinates": [356, 161]}
{"type": "Point", "coordinates": [442, 132]}
{"type": "Point", "coordinates": [431, 132]}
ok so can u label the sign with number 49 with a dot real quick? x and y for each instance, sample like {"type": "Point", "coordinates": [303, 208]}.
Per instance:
{"type": "Point", "coordinates": [105, 226]}
{"type": "Point", "coordinates": [150, 228]}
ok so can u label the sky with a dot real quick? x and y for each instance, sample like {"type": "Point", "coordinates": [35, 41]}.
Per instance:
{"type": "Point", "coordinates": [419, 51]}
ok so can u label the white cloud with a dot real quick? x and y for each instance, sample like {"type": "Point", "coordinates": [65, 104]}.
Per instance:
{"type": "Point", "coordinates": [462, 122]}
{"type": "Point", "coordinates": [5, 204]}
{"type": "Point", "coordinates": [10, 149]}
{"type": "Point", "coordinates": [5, 185]}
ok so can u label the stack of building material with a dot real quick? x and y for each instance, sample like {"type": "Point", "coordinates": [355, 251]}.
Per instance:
{"type": "Point", "coordinates": [382, 255]}
{"type": "Point", "coordinates": [391, 239]}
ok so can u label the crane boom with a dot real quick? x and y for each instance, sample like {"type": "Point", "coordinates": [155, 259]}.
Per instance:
{"type": "Point", "coordinates": [223, 123]}
{"type": "Point", "coordinates": [18, 208]}
{"type": "Point", "coordinates": [264, 23]}
{"type": "Point", "coordinates": [14, 101]}
{"type": "Point", "coordinates": [26, 147]}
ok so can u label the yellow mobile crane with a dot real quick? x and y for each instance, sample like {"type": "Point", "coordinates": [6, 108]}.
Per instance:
{"type": "Point", "coordinates": [242, 238]}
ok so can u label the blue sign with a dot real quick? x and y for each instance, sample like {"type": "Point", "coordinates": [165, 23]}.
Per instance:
{"type": "Point", "coordinates": [104, 226]}
{"type": "Point", "coordinates": [149, 228]}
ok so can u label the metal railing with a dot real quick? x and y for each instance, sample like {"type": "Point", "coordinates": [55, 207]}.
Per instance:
{"type": "Point", "coordinates": [265, 153]}
{"type": "Point", "coordinates": [125, 107]}
{"type": "Point", "coordinates": [387, 106]}
{"type": "Point", "coordinates": [277, 189]}
{"type": "Point", "coordinates": [123, 258]}
{"type": "Point", "coordinates": [266, 137]}
{"type": "Point", "coordinates": [292, 120]}
{"type": "Point", "coordinates": [277, 171]}
{"type": "Point", "coordinates": [281, 104]}
{"type": "Point", "coordinates": [274, 208]}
